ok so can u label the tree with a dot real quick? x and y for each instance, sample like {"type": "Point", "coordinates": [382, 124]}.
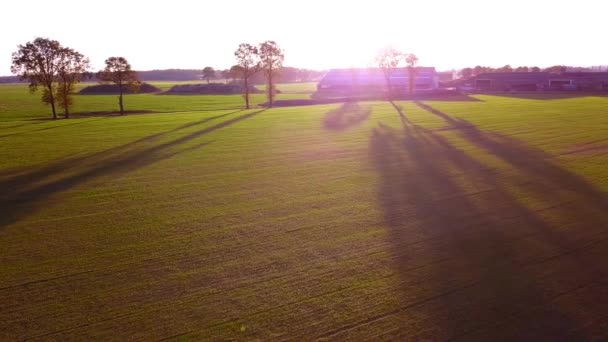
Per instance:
{"type": "Point", "coordinates": [506, 68]}
{"type": "Point", "coordinates": [411, 60]}
{"type": "Point", "coordinates": [388, 59]}
{"type": "Point", "coordinates": [118, 71]}
{"type": "Point", "coordinates": [534, 69]}
{"type": "Point", "coordinates": [225, 75]}
{"type": "Point", "coordinates": [235, 72]}
{"type": "Point", "coordinates": [38, 63]}
{"type": "Point", "coordinates": [72, 67]}
{"type": "Point", "coordinates": [477, 70]}
{"type": "Point", "coordinates": [271, 59]}
{"type": "Point", "coordinates": [522, 69]}
{"type": "Point", "coordinates": [557, 68]}
{"type": "Point", "coordinates": [208, 74]}
{"type": "Point", "coordinates": [248, 64]}
{"type": "Point", "coordinates": [466, 73]}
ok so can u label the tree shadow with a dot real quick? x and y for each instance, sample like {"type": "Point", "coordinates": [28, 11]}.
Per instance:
{"type": "Point", "coordinates": [28, 123]}
{"type": "Point", "coordinates": [100, 118]}
{"type": "Point", "coordinates": [535, 163]}
{"type": "Point", "coordinates": [347, 115]}
{"type": "Point", "coordinates": [404, 120]}
{"type": "Point", "coordinates": [51, 127]}
{"type": "Point", "coordinates": [80, 115]}
{"type": "Point", "coordinates": [467, 239]}
{"type": "Point", "coordinates": [23, 192]}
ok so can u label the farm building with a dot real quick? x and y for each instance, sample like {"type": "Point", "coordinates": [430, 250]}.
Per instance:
{"type": "Point", "coordinates": [374, 80]}
{"type": "Point", "coordinates": [530, 81]}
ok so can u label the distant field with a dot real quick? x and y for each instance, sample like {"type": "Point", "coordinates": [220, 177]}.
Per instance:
{"type": "Point", "coordinates": [476, 220]}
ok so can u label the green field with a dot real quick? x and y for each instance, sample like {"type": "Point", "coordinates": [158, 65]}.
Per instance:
{"type": "Point", "coordinates": [475, 220]}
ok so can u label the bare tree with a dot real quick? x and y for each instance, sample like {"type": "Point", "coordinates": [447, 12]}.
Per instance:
{"type": "Point", "coordinates": [72, 67]}
{"type": "Point", "coordinates": [248, 64]}
{"type": "Point", "coordinates": [411, 60]}
{"type": "Point", "coordinates": [118, 71]}
{"type": "Point", "coordinates": [271, 58]}
{"type": "Point", "coordinates": [38, 63]}
{"type": "Point", "coordinates": [388, 59]}
{"type": "Point", "coordinates": [208, 74]}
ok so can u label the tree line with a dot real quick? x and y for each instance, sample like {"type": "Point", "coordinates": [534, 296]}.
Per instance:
{"type": "Point", "coordinates": [47, 64]}
{"type": "Point", "coordinates": [56, 69]}
{"type": "Point", "coordinates": [478, 70]}
{"type": "Point", "coordinates": [264, 59]}
{"type": "Point", "coordinates": [286, 75]}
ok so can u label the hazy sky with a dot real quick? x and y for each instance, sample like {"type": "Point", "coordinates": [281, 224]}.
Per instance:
{"type": "Point", "coordinates": [315, 33]}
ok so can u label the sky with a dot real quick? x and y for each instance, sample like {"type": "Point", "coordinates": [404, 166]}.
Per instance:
{"type": "Point", "coordinates": [316, 34]}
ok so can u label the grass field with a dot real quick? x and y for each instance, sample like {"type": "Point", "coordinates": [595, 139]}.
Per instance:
{"type": "Point", "coordinates": [474, 220]}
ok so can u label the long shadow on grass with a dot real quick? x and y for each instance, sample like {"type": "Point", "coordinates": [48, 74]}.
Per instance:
{"type": "Point", "coordinates": [29, 123]}
{"type": "Point", "coordinates": [347, 115]}
{"type": "Point", "coordinates": [78, 122]}
{"type": "Point", "coordinates": [82, 115]}
{"type": "Point", "coordinates": [24, 176]}
{"type": "Point", "coordinates": [23, 193]}
{"type": "Point", "coordinates": [472, 253]}
{"type": "Point", "coordinates": [50, 127]}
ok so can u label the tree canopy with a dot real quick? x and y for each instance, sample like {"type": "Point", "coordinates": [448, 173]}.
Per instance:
{"type": "Point", "coordinates": [248, 64]}
{"type": "Point", "coordinates": [208, 73]}
{"type": "Point", "coordinates": [72, 67]}
{"type": "Point", "coordinates": [38, 63]}
{"type": "Point", "coordinates": [411, 61]}
{"type": "Point", "coordinates": [388, 60]}
{"type": "Point", "coordinates": [271, 60]}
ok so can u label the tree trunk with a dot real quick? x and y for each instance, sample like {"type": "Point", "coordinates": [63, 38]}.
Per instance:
{"type": "Point", "coordinates": [67, 110]}
{"type": "Point", "coordinates": [122, 110]}
{"type": "Point", "coordinates": [412, 79]}
{"type": "Point", "coordinates": [66, 104]}
{"type": "Point", "coordinates": [270, 92]}
{"type": "Point", "coordinates": [389, 88]}
{"type": "Point", "coordinates": [52, 102]}
{"type": "Point", "coordinates": [246, 92]}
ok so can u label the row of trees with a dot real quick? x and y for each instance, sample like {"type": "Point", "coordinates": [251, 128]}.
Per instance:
{"type": "Point", "coordinates": [46, 64]}
{"type": "Point", "coordinates": [266, 57]}
{"type": "Point", "coordinates": [286, 75]}
{"type": "Point", "coordinates": [389, 59]}
{"type": "Point", "coordinates": [477, 70]}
